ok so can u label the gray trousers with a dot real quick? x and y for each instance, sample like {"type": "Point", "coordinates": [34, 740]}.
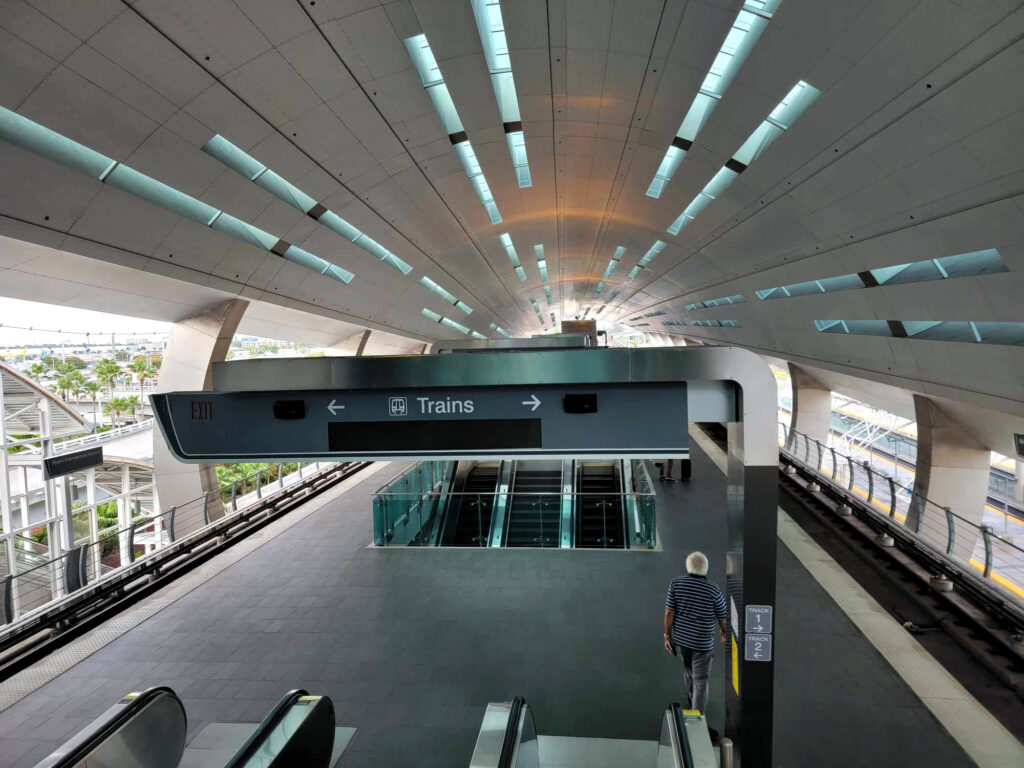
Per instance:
{"type": "Point", "coordinates": [696, 676]}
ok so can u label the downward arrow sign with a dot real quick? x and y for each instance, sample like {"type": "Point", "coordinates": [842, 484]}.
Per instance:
{"type": "Point", "coordinates": [332, 407]}
{"type": "Point", "coordinates": [534, 401]}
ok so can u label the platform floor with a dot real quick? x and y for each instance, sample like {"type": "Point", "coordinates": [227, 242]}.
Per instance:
{"type": "Point", "coordinates": [411, 644]}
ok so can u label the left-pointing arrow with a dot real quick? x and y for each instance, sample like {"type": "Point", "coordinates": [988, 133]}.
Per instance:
{"type": "Point", "coordinates": [333, 407]}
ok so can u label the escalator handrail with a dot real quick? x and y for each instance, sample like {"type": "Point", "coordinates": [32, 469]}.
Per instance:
{"type": "Point", "coordinates": [511, 740]}
{"type": "Point", "coordinates": [268, 723]}
{"type": "Point", "coordinates": [684, 743]}
{"type": "Point", "coordinates": [79, 746]}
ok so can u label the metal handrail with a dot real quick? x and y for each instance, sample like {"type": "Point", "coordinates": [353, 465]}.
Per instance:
{"type": "Point", "coordinates": [942, 542]}
{"type": "Point", "coordinates": [116, 537]}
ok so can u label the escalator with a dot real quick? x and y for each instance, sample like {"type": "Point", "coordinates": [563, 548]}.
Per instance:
{"type": "Point", "coordinates": [599, 506]}
{"type": "Point", "coordinates": [508, 739]}
{"type": "Point", "coordinates": [471, 508]}
{"type": "Point", "coordinates": [534, 518]}
{"type": "Point", "coordinates": [147, 730]}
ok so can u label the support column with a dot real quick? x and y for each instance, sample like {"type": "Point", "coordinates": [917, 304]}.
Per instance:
{"type": "Point", "coordinates": [1019, 490]}
{"type": "Point", "coordinates": [194, 345]}
{"type": "Point", "coordinates": [362, 343]}
{"type": "Point", "coordinates": [812, 408]}
{"type": "Point", "coordinates": [952, 471]}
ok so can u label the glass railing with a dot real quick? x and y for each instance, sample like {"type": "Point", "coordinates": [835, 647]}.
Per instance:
{"type": "Point", "coordinates": [975, 548]}
{"type": "Point", "coordinates": [410, 509]}
{"type": "Point", "coordinates": [35, 569]}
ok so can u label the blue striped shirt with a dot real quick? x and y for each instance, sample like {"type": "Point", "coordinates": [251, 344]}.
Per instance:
{"type": "Point", "coordinates": [698, 604]}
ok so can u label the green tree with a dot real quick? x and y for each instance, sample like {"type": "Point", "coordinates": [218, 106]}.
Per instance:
{"type": "Point", "coordinates": [142, 370]}
{"type": "Point", "coordinates": [107, 372]}
{"type": "Point", "coordinates": [38, 371]}
{"type": "Point", "coordinates": [132, 405]}
{"type": "Point", "coordinates": [70, 381]}
{"type": "Point", "coordinates": [114, 408]}
{"type": "Point", "coordinates": [93, 388]}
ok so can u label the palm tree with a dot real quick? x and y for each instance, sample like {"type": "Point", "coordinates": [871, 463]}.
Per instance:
{"type": "Point", "coordinates": [115, 408]}
{"type": "Point", "coordinates": [94, 388]}
{"type": "Point", "coordinates": [70, 381]}
{"type": "Point", "coordinates": [107, 372]}
{"type": "Point", "coordinates": [37, 371]}
{"type": "Point", "coordinates": [132, 404]}
{"type": "Point", "coordinates": [142, 369]}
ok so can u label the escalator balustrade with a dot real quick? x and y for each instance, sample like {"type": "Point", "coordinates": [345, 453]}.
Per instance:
{"type": "Point", "coordinates": [535, 508]}
{"type": "Point", "coordinates": [475, 507]}
{"type": "Point", "coordinates": [599, 509]}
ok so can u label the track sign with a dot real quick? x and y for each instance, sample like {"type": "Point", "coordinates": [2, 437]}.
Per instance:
{"type": "Point", "coordinates": [66, 463]}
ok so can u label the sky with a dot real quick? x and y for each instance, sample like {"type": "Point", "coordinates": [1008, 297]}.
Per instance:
{"type": "Point", "coordinates": [74, 322]}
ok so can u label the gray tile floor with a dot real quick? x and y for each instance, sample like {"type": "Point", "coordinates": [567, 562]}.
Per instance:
{"type": "Point", "coordinates": [412, 644]}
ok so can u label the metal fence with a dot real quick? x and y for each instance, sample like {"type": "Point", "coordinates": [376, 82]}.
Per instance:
{"type": "Point", "coordinates": [974, 548]}
{"type": "Point", "coordinates": [36, 580]}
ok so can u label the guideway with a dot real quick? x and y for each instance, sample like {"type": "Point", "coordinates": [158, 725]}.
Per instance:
{"type": "Point", "coordinates": [559, 405]}
{"type": "Point", "coordinates": [147, 730]}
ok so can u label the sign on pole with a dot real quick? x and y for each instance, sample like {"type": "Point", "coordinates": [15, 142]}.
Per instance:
{"type": "Point", "coordinates": [66, 463]}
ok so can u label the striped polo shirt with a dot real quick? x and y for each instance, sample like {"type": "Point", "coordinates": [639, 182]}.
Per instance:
{"type": "Point", "coordinates": [698, 605]}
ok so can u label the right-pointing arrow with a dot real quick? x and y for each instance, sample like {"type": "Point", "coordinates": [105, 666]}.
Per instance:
{"type": "Point", "coordinates": [534, 401]}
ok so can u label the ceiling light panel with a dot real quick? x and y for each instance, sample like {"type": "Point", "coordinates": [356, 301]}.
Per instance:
{"type": "Point", "coordinates": [30, 135]}
{"type": "Point", "coordinates": [739, 42]}
{"type": "Point", "coordinates": [499, 330]}
{"type": "Point", "coordinates": [961, 265]}
{"type": "Point", "coordinates": [246, 165]}
{"type": "Point", "coordinates": [542, 263]}
{"type": "Point", "coordinates": [614, 262]}
{"type": "Point", "coordinates": [430, 75]}
{"type": "Point", "coordinates": [499, 64]}
{"type": "Point", "coordinates": [786, 112]}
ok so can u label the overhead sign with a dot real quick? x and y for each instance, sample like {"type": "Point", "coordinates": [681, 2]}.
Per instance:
{"type": "Point", "coordinates": [66, 463]}
{"type": "Point", "coordinates": [758, 619]}
{"type": "Point", "coordinates": [556, 421]}
{"type": "Point", "coordinates": [1018, 441]}
{"type": "Point", "coordinates": [757, 647]}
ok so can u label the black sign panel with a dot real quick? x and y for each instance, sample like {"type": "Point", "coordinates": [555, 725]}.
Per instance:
{"type": "Point", "coordinates": [66, 463]}
{"type": "Point", "coordinates": [478, 434]}
{"type": "Point", "coordinates": [1018, 440]}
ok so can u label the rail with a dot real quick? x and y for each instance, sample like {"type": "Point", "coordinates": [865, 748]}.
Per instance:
{"type": "Point", "coordinates": [975, 550]}
{"type": "Point", "coordinates": [30, 585]}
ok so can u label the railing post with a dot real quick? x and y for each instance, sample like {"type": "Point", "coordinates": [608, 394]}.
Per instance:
{"type": "Point", "coordinates": [299, 470]}
{"type": "Point", "coordinates": [835, 464]}
{"type": "Point", "coordinates": [817, 467]}
{"type": "Point", "coordinates": [170, 527]}
{"type": "Point", "coordinates": [234, 495]}
{"type": "Point", "coordinates": [131, 543]}
{"type": "Point", "coordinates": [807, 449]}
{"type": "Point", "coordinates": [850, 462]}
{"type": "Point", "coordinates": [259, 484]}
{"type": "Point", "coordinates": [74, 570]}
{"type": "Point", "coordinates": [8, 599]}
{"type": "Point", "coordinates": [206, 509]}
{"type": "Point", "coordinates": [871, 480]}
{"type": "Point", "coordinates": [986, 536]}
{"type": "Point", "coordinates": [949, 526]}
{"type": "Point", "coordinates": [892, 496]}
{"type": "Point", "coordinates": [280, 475]}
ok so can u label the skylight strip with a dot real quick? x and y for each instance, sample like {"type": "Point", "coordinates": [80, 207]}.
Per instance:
{"type": "Point", "coordinates": [447, 321]}
{"type": "Point", "coordinates": [739, 41]}
{"type": "Point", "coordinates": [431, 314]}
{"type": "Point", "coordinates": [542, 264]}
{"type": "Point", "coordinates": [36, 138]}
{"type": "Point", "coordinates": [786, 112]}
{"type": "Point", "coordinates": [426, 67]}
{"type": "Point", "coordinates": [499, 64]}
{"type": "Point", "coordinates": [969, 331]}
{"type": "Point", "coordinates": [246, 165]}
{"type": "Point", "coordinates": [499, 330]}
{"type": "Point", "coordinates": [477, 335]}
{"type": "Point", "coordinates": [547, 293]}
{"type": "Point", "coordinates": [433, 287]}
{"type": "Point", "coordinates": [971, 264]}
{"type": "Point", "coordinates": [736, 298]}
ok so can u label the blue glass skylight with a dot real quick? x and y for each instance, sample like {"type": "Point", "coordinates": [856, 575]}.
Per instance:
{"type": "Point", "coordinates": [972, 264]}
{"type": "Point", "coordinates": [36, 138]}
{"type": "Point", "coordinates": [245, 164]}
{"type": "Point", "coordinates": [499, 330]}
{"type": "Point", "coordinates": [786, 112]}
{"type": "Point", "coordinates": [431, 314]}
{"type": "Point", "coordinates": [499, 64]}
{"type": "Point", "coordinates": [542, 264]}
{"type": "Point", "coordinates": [547, 293]}
{"type": "Point", "coordinates": [736, 298]}
{"type": "Point", "coordinates": [430, 75]}
{"type": "Point", "coordinates": [969, 331]}
{"type": "Point", "coordinates": [447, 321]}
{"type": "Point", "coordinates": [477, 335]}
{"type": "Point", "coordinates": [739, 41]}
{"type": "Point", "coordinates": [614, 262]}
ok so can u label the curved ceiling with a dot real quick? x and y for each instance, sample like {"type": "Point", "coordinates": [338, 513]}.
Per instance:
{"type": "Point", "coordinates": [910, 152]}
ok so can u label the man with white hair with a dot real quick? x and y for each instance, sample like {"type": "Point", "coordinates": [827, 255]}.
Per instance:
{"type": "Point", "coordinates": [693, 607]}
